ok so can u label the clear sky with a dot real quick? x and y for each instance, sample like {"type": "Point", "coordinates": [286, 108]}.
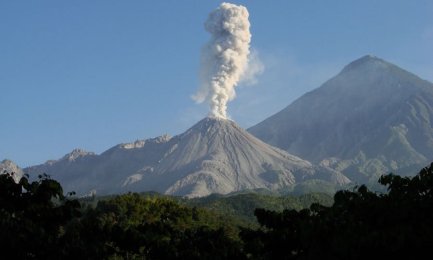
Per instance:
{"type": "Point", "coordinates": [92, 74]}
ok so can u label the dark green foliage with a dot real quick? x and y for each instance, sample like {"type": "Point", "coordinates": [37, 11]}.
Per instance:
{"type": "Point", "coordinates": [38, 222]}
{"type": "Point", "coordinates": [33, 216]}
{"type": "Point", "coordinates": [242, 206]}
{"type": "Point", "coordinates": [159, 228]}
{"type": "Point", "coordinates": [133, 226]}
{"type": "Point", "coordinates": [360, 225]}
{"type": "Point", "coordinates": [315, 186]}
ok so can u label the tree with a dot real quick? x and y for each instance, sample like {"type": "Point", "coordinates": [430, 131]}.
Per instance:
{"type": "Point", "coordinates": [135, 226]}
{"type": "Point", "coordinates": [33, 216]}
{"type": "Point", "coordinates": [359, 225]}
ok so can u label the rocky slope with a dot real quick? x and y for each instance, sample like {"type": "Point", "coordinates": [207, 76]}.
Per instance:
{"type": "Point", "coordinates": [217, 156]}
{"type": "Point", "coordinates": [8, 166]}
{"type": "Point", "coordinates": [213, 156]}
{"type": "Point", "coordinates": [88, 173]}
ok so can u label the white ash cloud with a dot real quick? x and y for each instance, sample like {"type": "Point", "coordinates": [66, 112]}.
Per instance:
{"type": "Point", "coordinates": [254, 68]}
{"type": "Point", "coordinates": [224, 59]}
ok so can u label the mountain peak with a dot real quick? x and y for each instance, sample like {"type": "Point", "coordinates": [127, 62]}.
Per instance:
{"type": "Point", "coordinates": [214, 155]}
{"type": "Point", "coordinates": [75, 154]}
{"type": "Point", "coordinates": [373, 77]}
{"type": "Point", "coordinates": [367, 61]}
{"type": "Point", "coordinates": [215, 119]}
{"type": "Point", "coordinates": [141, 143]}
{"type": "Point", "coordinates": [371, 108]}
{"type": "Point", "coordinates": [211, 122]}
{"type": "Point", "coordinates": [10, 167]}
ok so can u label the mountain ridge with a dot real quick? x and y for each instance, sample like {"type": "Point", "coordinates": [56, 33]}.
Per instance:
{"type": "Point", "coordinates": [370, 119]}
{"type": "Point", "coordinates": [213, 156]}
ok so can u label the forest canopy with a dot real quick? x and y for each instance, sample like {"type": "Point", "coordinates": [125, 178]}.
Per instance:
{"type": "Point", "coordinates": [37, 221]}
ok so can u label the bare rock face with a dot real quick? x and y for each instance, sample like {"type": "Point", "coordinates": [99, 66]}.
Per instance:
{"type": "Point", "coordinates": [213, 156]}
{"type": "Point", "coordinates": [371, 119]}
{"type": "Point", "coordinates": [8, 166]}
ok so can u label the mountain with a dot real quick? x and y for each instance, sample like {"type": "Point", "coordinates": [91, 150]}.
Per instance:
{"type": "Point", "coordinates": [217, 156]}
{"type": "Point", "coordinates": [213, 156]}
{"type": "Point", "coordinates": [8, 166]}
{"type": "Point", "coordinates": [87, 173]}
{"type": "Point", "coordinates": [372, 118]}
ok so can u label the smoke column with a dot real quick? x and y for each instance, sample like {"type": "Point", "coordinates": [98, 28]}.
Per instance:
{"type": "Point", "coordinates": [225, 57]}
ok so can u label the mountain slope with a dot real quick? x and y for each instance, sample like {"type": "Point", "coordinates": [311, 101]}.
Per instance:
{"type": "Point", "coordinates": [217, 156]}
{"type": "Point", "coordinates": [372, 117]}
{"type": "Point", "coordinates": [213, 156]}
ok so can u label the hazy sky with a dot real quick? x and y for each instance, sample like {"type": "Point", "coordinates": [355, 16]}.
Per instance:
{"type": "Point", "coordinates": [92, 74]}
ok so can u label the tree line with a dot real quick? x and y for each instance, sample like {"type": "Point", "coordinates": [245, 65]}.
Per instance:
{"type": "Point", "coordinates": [37, 221]}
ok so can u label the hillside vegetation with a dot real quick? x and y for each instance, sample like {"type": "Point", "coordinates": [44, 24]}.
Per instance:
{"type": "Point", "coordinates": [39, 222]}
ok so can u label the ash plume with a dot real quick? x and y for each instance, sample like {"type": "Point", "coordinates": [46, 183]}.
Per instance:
{"type": "Point", "coordinates": [224, 58]}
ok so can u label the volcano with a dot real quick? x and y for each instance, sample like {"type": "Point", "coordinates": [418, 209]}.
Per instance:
{"type": "Point", "coordinates": [213, 156]}
{"type": "Point", "coordinates": [217, 156]}
{"type": "Point", "coordinates": [371, 119]}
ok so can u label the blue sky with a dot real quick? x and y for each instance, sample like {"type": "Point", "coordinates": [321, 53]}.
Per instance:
{"type": "Point", "coordinates": [92, 74]}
